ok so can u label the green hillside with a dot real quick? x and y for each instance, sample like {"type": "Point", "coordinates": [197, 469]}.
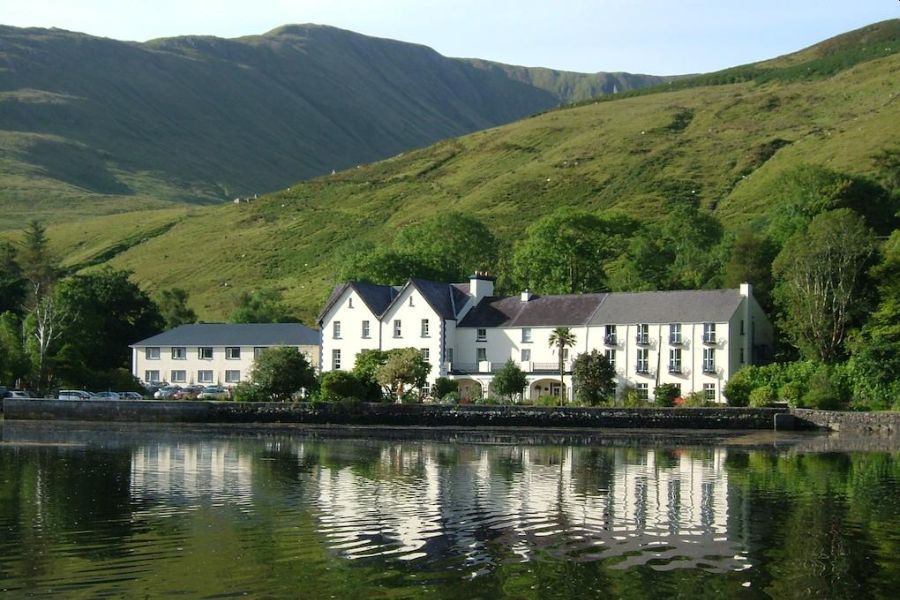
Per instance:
{"type": "Point", "coordinates": [92, 126]}
{"type": "Point", "coordinates": [723, 143]}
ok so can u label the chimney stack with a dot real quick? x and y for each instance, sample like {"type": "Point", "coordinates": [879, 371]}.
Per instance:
{"type": "Point", "coordinates": [526, 295]}
{"type": "Point", "coordinates": [480, 285]}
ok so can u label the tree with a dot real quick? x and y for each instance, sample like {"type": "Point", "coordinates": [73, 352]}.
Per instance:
{"type": "Point", "coordinates": [594, 378]}
{"type": "Point", "coordinates": [509, 380]}
{"type": "Point", "coordinates": [38, 266]}
{"type": "Point", "coordinates": [13, 361]}
{"type": "Point", "coordinates": [13, 288]}
{"type": "Point", "coordinates": [565, 252]}
{"type": "Point", "coordinates": [366, 367]}
{"type": "Point", "coordinates": [819, 274]}
{"type": "Point", "coordinates": [750, 261]}
{"type": "Point", "coordinates": [261, 306]}
{"type": "Point", "coordinates": [404, 367]}
{"type": "Point", "coordinates": [44, 329]}
{"type": "Point", "coordinates": [561, 338]}
{"type": "Point", "coordinates": [281, 372]}
{"type": "Point", "coordinates": [339, 385]}
{"type": "Point", "coordinates": [173, 307]}
{"type": "Point", "coordinates": [451, 246]}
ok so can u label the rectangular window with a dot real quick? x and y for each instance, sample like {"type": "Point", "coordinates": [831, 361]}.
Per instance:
{"type": "Point", "coordinates": [448, 354]}
{"type": "Point", "coordinates": [204, 376]}
{"type": "Point", "coordinates": [481, 354]}
{"type": "Point", "coordinates": [675, 360]}
{"type": "Point", "coordinates": [643, 364]}
{"type": "Point", "coordinates": [526, 334]}
{"type": "Point", "coordinates": [426, 353]}
{"type": "Point", "coordinates": [398, 331]}
{"type": "Point", "coordinates": [709, 360]}
{"type": "Point", "coordinates": [151, 376]}
{"type": "Point", "coordinates": [336, 330]}
{"type": "Point", "coordinates": [179, 353]}
{"type": "Point", "coordinates": [425, 328]}
{"type": "Point", "coordinates": [257, 352]}
{"type": "Point", "coordinates": [610, 337]}
{"type": "Point", "coordinates": [643, 390]}
{"type": "Point", "coordinates": [151, 353]}
{"type": "Point", "coordinates": [204, 352]}
{"type": "Point", "coordinates": [481, 335]}
{"type": "Point", "coordinates": [742, 355]}
{"type": "Point", "coordinates": [232, 353]}
{"type": "Point", "coordinates": [674, 333]}
{"type": "Point", "coordinates": [742, 327]}
{"type": "Point", "coordinates": [335, 359]}
{"type": "Point", "coordinates": [179, 376]}
{"type": "Point", "coordinates": [365, 329]}
{"type": "Point", "coordinates": [526, 354]}
{"type": "Point", "coordinates": [232, 376]}
{"type": "Point", "coordinates": [709, 333]}
{"type": "Point", "coordinates": [611, 357]}
{"type": "Point", "coordinates": [565, 354]}
{"type": "Point", "coordinates": [709, 391]}
{"type": "Point", "coordinates": [643, 333]}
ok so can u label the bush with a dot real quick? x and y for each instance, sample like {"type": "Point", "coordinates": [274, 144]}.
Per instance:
{"type": "Point", "coordinates": [547, 400]}
{"type": "Point", "coordinates": [824, 391]}
{"type": "Point", "coordinates": [695, 400]}
{"type": "Point", "coordinates": [443, 386]}
{"type": "Point", "coordinates": [762, 396]}
{"type": "Point", "coordinates": [337, 385]}
{"type": "Point", "coordinates": [737, 390]}
{"type": "Point", "coordinates": [665, 394]}
{"type": "Point", "coordinates": [791, 392]}
{"type": "Point", "coordinates": [450, 398]}
{"type": "Point", "coordinates": [247, 392]}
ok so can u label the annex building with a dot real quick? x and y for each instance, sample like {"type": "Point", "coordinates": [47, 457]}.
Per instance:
{"type": "Point", "coordinates": [215, 353]}
{"type": "Point", "coordinates": [693, 339]}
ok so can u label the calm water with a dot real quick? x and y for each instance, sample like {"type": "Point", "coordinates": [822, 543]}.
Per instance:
{"type": "Point", "coordinates": [285, 513]}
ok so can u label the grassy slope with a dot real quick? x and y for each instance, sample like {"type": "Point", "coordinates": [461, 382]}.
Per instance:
{"type": "Point", "coordinates": [95, 125]}
{"type": "Point", "coordinates": [626, 155]}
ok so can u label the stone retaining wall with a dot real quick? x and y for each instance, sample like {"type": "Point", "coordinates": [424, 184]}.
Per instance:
{"type": "Point", "coordinates": [880, 423]}
{"type": "Point", "coordinates": [391, 414]}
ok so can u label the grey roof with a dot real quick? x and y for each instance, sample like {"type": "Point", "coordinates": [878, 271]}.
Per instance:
{"type": "Point", "coordinates": [443, 297]}
{"type": "Point", "coordinates": [688, 306]}
{"type": "Point", "coordinates": [376, 297]}
{"type": "Point", "coordinates": [540, 311]}
{"type": "Point", "coordinates": [235, 334]}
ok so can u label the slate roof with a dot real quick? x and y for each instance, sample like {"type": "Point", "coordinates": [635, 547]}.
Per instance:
{"type": "Point", "coordinates": [540, 311]}
{"type": "Point", "coordinates": [376, 297]}
{"type": "Point", "coordinates": [689, 306]}
{"type": "Point", "coordinates": [443, 297]}
{"type": "Point", "coordinates": [235, 334]}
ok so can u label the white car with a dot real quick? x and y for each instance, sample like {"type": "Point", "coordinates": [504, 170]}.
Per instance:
{"type": "Point", "coordinates": [73, 395]}
{"type": "Point", "coordinates": [17, 394]}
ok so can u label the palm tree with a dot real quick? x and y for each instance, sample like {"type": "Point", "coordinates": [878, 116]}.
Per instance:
{"type": "Point", "coordinates": [562, 338]}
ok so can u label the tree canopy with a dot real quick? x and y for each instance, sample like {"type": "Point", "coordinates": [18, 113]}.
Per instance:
{"type": "Point", "coordinates": [509, 380]}
{"type": "Point", "coordinates": [261, 306]}
{"type": "Point", "coordinates": [282, 371]}
{"type": "Point", "coordinates": [594, 378]}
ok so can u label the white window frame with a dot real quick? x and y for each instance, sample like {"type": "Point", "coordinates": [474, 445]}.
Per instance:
{"type": "Point", "coordinates": [232, 353]}
{"type": "Point", "coordinates": [643, 390]}
{"type": "Point", "coordinates": [426, 353]}
{"type": "Point", "coordinates": [398, 328]}
{"type": "Point", "coordinates": [526, 335]}
{"type": "Point", "coordinates": [481, 354]}
{"type": "Point", "coordinates": [609, 335]}
{"type": "Point", "coordinates": [675, 360]}
{"type": "Point", "coordinates": [611, 357]}
{"type": "Point", "coordinates": [232, 376]}
{"type": "Point", "coordinates": [643, 333]}
{"type": "Point", "coordinates": [151, 376]}
{"type": "Point", "coordinates": [674, 333]}
{"type": "Point", "coordinates": [151, 353]}
{"type": "Point", "coordinates": [526, 354]}
{"type": "Point", "coordinates": [643, 360]}
{"type": "Point", "coordinates": [205, 376]}
{"type": "Point", "coordinates": [481, 334]}
{"type": "Point", "coordinates": [257, 351]}
{"type": "Point", "coordinates": [336, 359]}
{"type": "Point", "coordinates": [336, 330]}
{"type": "Point", "coordinates": [200, 352]}
{"type": "Point", "coordinates": [709, 333]}
{"type": "Point", "coordinates": [709, 360]}
{"type": "Point", "coordinates": [709, 391]}
{"type": "Point", "coordinates": [178, 376]}
{"type": "Point", "coordinates": [179, 353]}
{"type": "Point", "coordinates": [426, 328]}
{"type": "Point", "coordinates": [366, 329]}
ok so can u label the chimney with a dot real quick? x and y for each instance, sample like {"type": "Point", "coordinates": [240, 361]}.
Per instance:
{"type": "Point", "coordinates": [480, 285]}
{"type": "Point", "coordinates": [526, 295]}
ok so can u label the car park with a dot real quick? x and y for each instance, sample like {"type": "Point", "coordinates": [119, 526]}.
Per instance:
{"type": "Point", "coordinates": [213, 392]}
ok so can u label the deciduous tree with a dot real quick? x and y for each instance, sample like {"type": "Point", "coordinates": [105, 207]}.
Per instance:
{"type": "Point", "coordinates": [509, 380]}
{"type": "Point", "coordinates": [405, 369]}
{"type": "Point", "coordinates": [174, 309]}
{"type": "Point", "coordinates": [281, 372]}
{"type": "Point", "coordinates": [594, 378]}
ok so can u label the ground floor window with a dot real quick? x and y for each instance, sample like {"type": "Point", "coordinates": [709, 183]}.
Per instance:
{"type": "Point", "coordinates": [232, 376]}
{"type": "Point", "coordinates": [151, 376]}
{"type": "Point", "coordinates": [335, 359]}
{"type": "Point", "coordinates": [179, 376]}
{"type": "Point", "coordinates": [709, 391]}
{"type": "Point", "coordinates": [205, 376]}
{"type": "Point", "coordinates": [643, 391]}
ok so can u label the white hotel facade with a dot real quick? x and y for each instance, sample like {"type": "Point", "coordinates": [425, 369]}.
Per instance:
{"type": "Point", "coordinates": [694, 339]}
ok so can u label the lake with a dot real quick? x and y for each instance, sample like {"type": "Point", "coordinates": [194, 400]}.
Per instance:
{"type": "Point", "coordinates": [127, 511]}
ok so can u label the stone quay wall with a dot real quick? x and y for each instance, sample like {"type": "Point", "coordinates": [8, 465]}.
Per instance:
{"type": "Point", "coordinates": [864, 423]}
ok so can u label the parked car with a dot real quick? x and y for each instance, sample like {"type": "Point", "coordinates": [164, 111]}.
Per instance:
{"type": "Point", "coordinates": [73, 395]}
{"type": "Point", "coordinates": [106, 395]}
{"type": "Point", "coordinates": [166, 392]}
{"type": "Point", "coordinates": [189, 392]}
{"type": "Point", "coordinates": [130, 396]}
{"type": "Point", "coordinates": [213, 392]}
{"type": "Point", "coordinates": [18, 394]}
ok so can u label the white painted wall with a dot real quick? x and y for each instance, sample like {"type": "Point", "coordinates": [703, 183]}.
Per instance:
{"type": "Point", "coordinates": [350, 311]}
{"type": "Point", "coordinates": [411, 308]}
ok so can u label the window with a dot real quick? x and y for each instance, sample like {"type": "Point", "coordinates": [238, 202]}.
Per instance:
{"type": "Point", "coordinates": [335, 359]}
{"type": "Point", "coordinates": [709, 391]}
{"type": "Point", "coordinates": [336, 330]}
{"type": "Point", "coordinates": [526, 354]}
{"type": "Point", "coordinates": [742, 327]}
{"type": "Point", "coordinates": [257, 352]}
{"type": "Point", "coordinates": [675, 360]}
{"type": "Point", "coordinates": [178, 376]}
{"type": "Point", "coordinates": [232, 353]}
{"type": "Point", "coordinates": [610, 337]}
{"type": "Point", "coordinates": [643, 333]}
{"type": "Point", "coordinates": [643, 365]}
{"type": "Point", "coordinates": [611, 357]}
{"type": "Point", "coordinates": [565, 354]}
{"type": "Point", "coordinates": [365, 329]}
{"type": "Point", "coordinates": [411, 300]}
{"type": "Point", "coordinates": [232, 376]}
{"type": "Point", "coordinates": [350, 302]}
{"type": "Point", "coordinates": [643, 391]}
{"type": "Point", "coordinates": [204, 376]}
{"type": "Point", "coordinates": [526, 334]}
{"type": "Point", "coordinates": [481, 354]}
{"type": "Point", "coordinates": [481, 335]}
{"type": "Point", "coordinates": [398, 332]}
{"type": "Point", "coordinates": [425, 328]}
{"type": "Point", "coordinates": [179, 353]}
{"type": "Point", "coordinates": [709, 360]}
{"type": "Point", "coordinates": [151, 353]}
{"type": "Point", "coordinates": [426, 353]}
{"type": "Point", "coordinates": [709, 333]}
{"type": "Point", "coordinates": [675, 333]}
{"type": "Point", "coordinates": [151, 376]}
{"type": "Point", "coordinates": [448, 354]}
{"type": "Point", "coordinates": [742, 355]}
{"type": "Point", "coordinates": [204, 352]}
